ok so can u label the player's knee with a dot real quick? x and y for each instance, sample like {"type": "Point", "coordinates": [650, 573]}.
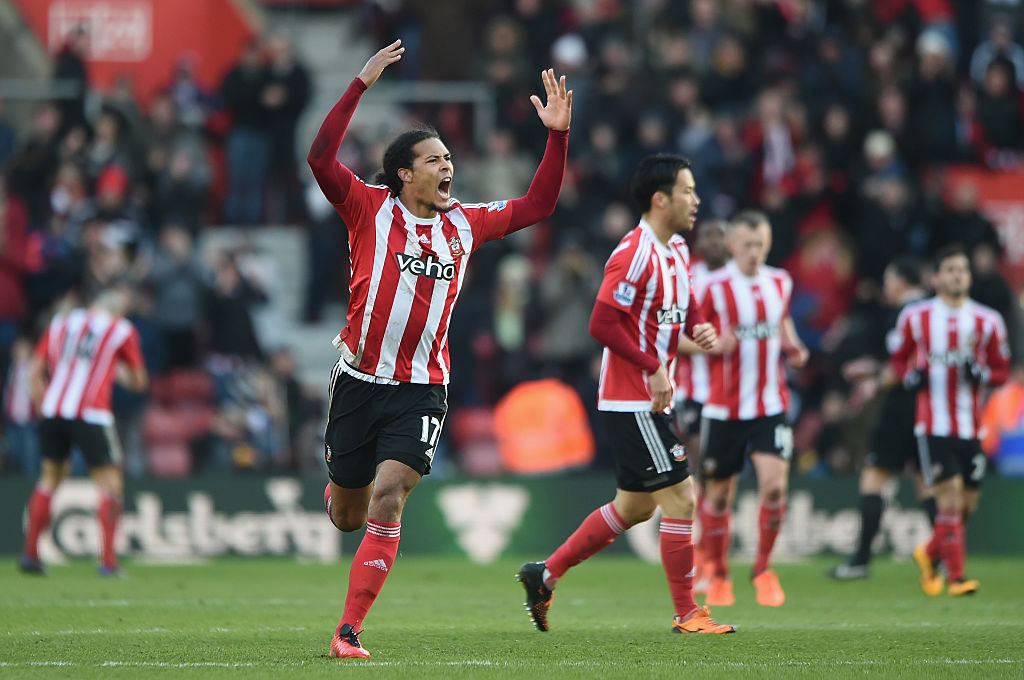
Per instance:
{"type": "Point", "coordinates": [634, 516]}
{"type": "Point", "coordinates": [774, 494]}
{"type": "Point", "coordinates": [348, 521]}
{"type": "Point", "coordinates": [719, 503]}
{"type": "Point", "coordinates": [387, 506]}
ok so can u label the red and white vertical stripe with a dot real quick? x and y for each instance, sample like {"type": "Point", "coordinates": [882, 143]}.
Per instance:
{"type": "Point", "coordinates": [398, 316]}
{"type": "Point", "coordinates": [749, 382]}
{"type": "Point", "coordinates": [945, 341]}
{"type": "Point", "coordinates": [648, 280]}
{"type": "Point", "coordinates": [81, 349]}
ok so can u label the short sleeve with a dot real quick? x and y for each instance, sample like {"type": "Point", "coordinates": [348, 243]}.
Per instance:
{"type": "Point", "coordinates": [619, 288]}
{"type": "Point", "coordinates": [131, 351]}
{"type": "Point", "coordinates": [489, 222]}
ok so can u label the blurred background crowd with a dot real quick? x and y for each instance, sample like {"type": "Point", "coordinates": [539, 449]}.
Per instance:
{"type": "Point", "coordinates": [839, 118]}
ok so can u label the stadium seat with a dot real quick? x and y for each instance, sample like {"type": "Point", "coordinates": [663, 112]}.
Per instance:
{"type": "Point", "coordinates": [169, 459]}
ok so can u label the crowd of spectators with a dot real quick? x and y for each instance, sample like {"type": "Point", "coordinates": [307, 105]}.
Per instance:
{"type": "Point", "coordinates": [837, 118]}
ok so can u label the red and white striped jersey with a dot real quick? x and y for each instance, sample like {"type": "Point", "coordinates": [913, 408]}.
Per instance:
{"type": "Point", "coordinates": [81, 349]}
{"type": "Point", "coordinates": [749, 382]}
{"type": "Point", "coordinates": [693, 380]}
{"type": "Point", "coordinates": [651, 281]}
{"type": "Point", "coordinates": [406, 274]}
{"type": "Point", "coordinates": [944, 341]}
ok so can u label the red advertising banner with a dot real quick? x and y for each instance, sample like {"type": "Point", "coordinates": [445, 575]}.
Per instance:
{"type": "Point", "coordinates": [144, 39]}
{"type": "Point", "coordinates": [1001, 199]}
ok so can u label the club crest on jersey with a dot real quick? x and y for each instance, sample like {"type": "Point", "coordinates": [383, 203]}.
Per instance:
{"type": "Point", "coordinates": [625, 294]}
{"type": "Point", "coordinates": [678, 452]}
{"type": "Point", "coordinates": [455, 245]}
{"type": "Point", "coordinates": [672, 315]}
{"type": "Point", "coordinates": [428, 266]}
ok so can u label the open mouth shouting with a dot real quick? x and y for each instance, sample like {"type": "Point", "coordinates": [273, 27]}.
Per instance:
{"type": "Point", "coordinates": [444, 189]}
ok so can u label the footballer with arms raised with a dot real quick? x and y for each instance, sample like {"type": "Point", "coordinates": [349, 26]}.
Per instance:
{"type": "Point", "coordinates": [410, 243]}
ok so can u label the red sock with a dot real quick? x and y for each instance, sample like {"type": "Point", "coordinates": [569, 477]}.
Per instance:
{"type": "Point", "coordinates": [38, 520]}
{"type": "Point", "coordinates": [953, 553]}
{"type": "Point", "coordinates": [677, 558]}
{"type": "Point", "coordinates": [595, 534]}
{"type": "Point", "coordinates": [716, 538]}
{"type": "Point", "coordinates": [370, 567]}
{"type": "Point", "coordinates": [943, 522]}
{"type": "Point", "coordinates": [769, 522]}
{"type": "Point", "coordinates": [108, 514]}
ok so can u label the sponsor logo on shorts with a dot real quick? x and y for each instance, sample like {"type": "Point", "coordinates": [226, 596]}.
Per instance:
{"type": "Point", "coordinates": [327, 452]}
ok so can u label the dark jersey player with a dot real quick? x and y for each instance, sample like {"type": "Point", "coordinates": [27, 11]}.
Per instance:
{"type": "Point", "coordinates": [893, 446]}
{"type": "Point", "coordinates": [410, 243]}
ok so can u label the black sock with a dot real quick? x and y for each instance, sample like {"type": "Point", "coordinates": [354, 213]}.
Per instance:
{"type": "Point", "coordinates": [870, 519]}
{"type": "Point", "coordinates": [929, 506]}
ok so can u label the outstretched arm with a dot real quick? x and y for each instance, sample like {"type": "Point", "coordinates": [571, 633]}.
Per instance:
{"type": "Point", "coordinates": [333, 177]}
{"type": "Point", "coordinates": [540, 201]}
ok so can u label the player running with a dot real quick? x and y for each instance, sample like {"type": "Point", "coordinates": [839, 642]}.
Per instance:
{"type": "Point", "coordinates": [950, 347]}
{"type": "Point", "coordinates": [745, 413]}
{"type": "Point", "coordinates": [645, 304]}
{"type": "Point", "coordinates": [893, 446]}
{"type": "Point", "coordinates": [410, 243]}
{"type": "Point", "coordinates": [73, 373]}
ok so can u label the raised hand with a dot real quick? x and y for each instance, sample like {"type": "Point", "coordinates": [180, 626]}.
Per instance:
{"type": "Point", "coordinates": [380, 61]}
{"type": "Point", "coordinates": [558, 111]}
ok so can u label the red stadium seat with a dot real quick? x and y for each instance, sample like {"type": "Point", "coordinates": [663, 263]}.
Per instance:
{"type": "Point", "coordinates": [169, 459]}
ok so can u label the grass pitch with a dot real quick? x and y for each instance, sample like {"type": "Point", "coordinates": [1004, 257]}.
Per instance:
{"type": "Point", "coordinates": [448, 618]}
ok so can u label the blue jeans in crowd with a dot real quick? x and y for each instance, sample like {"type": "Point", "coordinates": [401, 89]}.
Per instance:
{"type": "Point", "coordinates": [247, 152]}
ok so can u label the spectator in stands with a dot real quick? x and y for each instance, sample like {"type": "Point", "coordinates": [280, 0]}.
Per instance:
{"type": "Point", "coordinates": [285, 97]}
{"type": "Point", "coordinates": [109, 145]}
{"type": "Point", "coordinates": [178, 284]}
{"type": "Point", "coordinates": [1000, 115]}
{"type": "Point", "coordinates": [248, 144]}
{"type": "Point", "coordinates": [69, 67]}
{"type": "Point", "coordinates": [35, 162]}
{"type": "Point", "coordinates": [20, 437]}
{"type": "Point", "coordinates": [1000, 44]}
{"type": "Point", "coordinates": [960, 221]}
{"type": "Point", "coordinates": [13, 266]}
{"type": "Point", "coordinates": [933, 97]}
{"type": "Point", "coordinates": [191, 100]}
{"type": "Point", "coordinates": [228, 309]}
{"type": "Point", "coordinates": [7, 137]}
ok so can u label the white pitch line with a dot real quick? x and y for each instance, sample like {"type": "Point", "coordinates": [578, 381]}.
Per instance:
{"type": "Point", "coordinates": [156, 631]}
{"type": "Point", "coordinates": [218, 602]}
{"type": "Point", "coordinates": [508, 664]}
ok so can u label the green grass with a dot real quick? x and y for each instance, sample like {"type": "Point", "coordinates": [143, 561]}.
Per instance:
{"type": "Point", "coordinates": [448, 618]}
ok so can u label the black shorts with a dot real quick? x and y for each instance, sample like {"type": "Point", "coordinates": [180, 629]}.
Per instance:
{"type": "Point", "coordinates": [943, 458]}
{"type": "Point", "coordinates": [98, 443]}
{"type": "Point", "coordinates": [893, 444]}
{"type": "Point", "coordinates": [687, 418]}
{"type": "Point", "coordinates": [648, 455]}
{"type": "Point", "coordinates": [368, 423]}
{"type": "Point", "coordinates": [725, 444]}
